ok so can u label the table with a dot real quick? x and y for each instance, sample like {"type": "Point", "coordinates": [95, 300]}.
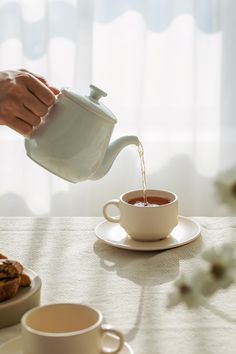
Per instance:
{"type": "Point", "coordinates": [130, 288]}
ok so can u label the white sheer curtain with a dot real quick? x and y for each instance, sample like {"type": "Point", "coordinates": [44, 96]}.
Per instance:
{"type": "Point", "coordinates": [169, 68]}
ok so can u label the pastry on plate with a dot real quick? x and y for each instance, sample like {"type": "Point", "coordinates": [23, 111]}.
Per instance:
{"type": "Point", "coordinates": [10, 269]}
{"type": "Point", "coordinates": [12, 278]}
{"type": "Point", "coordinates": [25, 280]}
{"type": "Point", "coordinates": [2, 256]}
{"type": "Point", "coordinates": [9, 288]}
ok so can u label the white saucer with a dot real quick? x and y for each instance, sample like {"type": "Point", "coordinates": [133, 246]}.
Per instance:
{"type": "Point", "coordinates": [12, 310]}
{"type": "Point", "coordinates": [113, 234]}
{"type": "Point", "coordinates": [14, 346]}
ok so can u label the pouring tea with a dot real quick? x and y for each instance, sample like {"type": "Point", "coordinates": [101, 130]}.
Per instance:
{"type": "Point", "coordinates": [73, 140]}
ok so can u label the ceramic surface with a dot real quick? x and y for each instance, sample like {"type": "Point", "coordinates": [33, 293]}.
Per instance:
{"type": "Point", "coordinates": [186, 231]}
{"type": "Point", "coordinates": [13, 309]}
{"type": "Point", "coordinates": [14, 346]}
{"type": "Point", "coordinates": [70, 328]}
{"type": "Point", "coordinates": [145, 223]}
{"type": "Point", "coordinates": [72, 141]}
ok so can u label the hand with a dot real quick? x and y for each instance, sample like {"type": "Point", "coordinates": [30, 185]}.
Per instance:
{"type": "Point", "coordinates": [24, 99]}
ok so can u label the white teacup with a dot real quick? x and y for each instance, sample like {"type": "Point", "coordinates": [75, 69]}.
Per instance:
{"type": "Point", "coordinates": [145, 223]}
{"type": "Point", "coordinates": [66, 329]}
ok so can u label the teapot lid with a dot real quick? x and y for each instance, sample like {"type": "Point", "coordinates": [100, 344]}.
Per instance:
{"type": "Point", "coordinates": [91, 102]}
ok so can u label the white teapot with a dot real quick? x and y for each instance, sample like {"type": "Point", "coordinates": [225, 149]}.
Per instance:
{"type": "Point", "coordinates": [72, 141]}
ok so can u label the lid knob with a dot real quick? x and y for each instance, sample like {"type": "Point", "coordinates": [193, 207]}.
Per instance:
{"type": "Point", "coordinates": [96, 93]}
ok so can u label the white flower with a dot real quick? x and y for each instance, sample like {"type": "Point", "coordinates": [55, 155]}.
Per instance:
{"type": "Point", "coordinates": [226, 187]}
{"type": "Point", "coordinates": [185, 291]}
{"type": "Point", "coordinates": [221, 269]}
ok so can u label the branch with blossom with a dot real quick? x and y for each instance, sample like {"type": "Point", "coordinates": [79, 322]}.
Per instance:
{"type": "Point", "coordinates": [218, 272]}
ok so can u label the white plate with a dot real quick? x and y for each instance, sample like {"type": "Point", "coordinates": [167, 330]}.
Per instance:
{"type": "Point", "coordinates": [113, 234]}
{"type": "Point", "coordinates": [14, 346]}
{"type": "Point", "coordinates": [26, 298]}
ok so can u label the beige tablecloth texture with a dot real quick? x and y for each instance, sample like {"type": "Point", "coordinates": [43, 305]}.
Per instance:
{"type": "Point", "coordinates": [130, 288]}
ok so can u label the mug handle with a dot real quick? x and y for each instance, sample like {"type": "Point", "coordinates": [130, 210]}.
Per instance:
{"type": "Point", "coordinates": [108, 329]}
{"type": "Point", "coordinates": [115, 219]}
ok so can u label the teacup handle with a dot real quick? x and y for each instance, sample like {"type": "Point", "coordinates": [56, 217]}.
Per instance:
{"type": "Point", "coordinates": [108, 329]}
{"type": "Point", "coordinates": [114, 202]}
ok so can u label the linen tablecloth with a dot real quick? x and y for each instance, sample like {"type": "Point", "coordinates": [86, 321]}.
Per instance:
{"type": "Point", "coordinates": [130, 288]}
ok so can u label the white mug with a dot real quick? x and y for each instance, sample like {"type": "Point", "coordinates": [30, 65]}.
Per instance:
{"type": "Point", "coordinates": [66, 329]}
{"type": "Point", "coordinates": [145, 223]}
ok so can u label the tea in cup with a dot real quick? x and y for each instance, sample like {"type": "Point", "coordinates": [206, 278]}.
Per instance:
{"type": "Point", "coordinates": [66, 328]}
{"type": "Point", "coordinates": [149, 219]}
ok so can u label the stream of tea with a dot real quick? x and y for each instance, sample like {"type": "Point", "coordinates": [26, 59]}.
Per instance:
{"type": "Point", "coordinates": [143, 172]}
{"type": "Point", "coordinates": [151, 200]}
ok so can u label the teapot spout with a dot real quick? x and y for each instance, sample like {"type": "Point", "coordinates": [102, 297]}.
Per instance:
{"type": "Point", "coordinates": [112, 151]}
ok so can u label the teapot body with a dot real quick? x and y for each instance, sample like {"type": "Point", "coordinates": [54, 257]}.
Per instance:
{"type": "Point", "coordinates": [71, 141]}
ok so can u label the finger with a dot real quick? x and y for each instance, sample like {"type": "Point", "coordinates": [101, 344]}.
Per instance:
{"type": "Point", "coordinates": [41, 78]}
{"type": "Point", "coordinates": [35, 105]}
{"type": "Point", "coordinates": [20, 126]}
{"type": "Point", "coordinates": [55, 90]}
{"type": "Point", "coordinates": [29, 117]}
{"type": "Point", "coordinates": [41, 91]}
